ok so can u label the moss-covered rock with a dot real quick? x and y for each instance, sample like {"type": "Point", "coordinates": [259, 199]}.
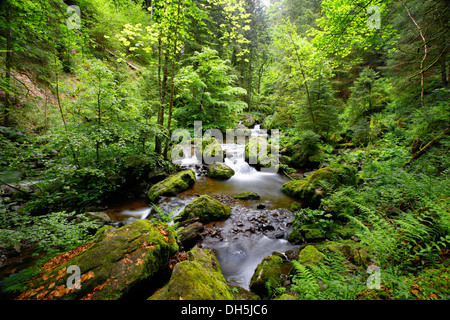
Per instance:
{"type": "Point", "coordinates": [189, 235]}
{"type": "Point", "coordinates": [206, 209]}
{"type": "Point", "coordinates": [113, 264]}
{"type": "Point", "coordinates": [308, 233]}
{"type": "Point", "coordinates": [247, 195]}
{"type": "Point", "coordinates": [310, 255]}
{"type": "Point", "coordinates": [355, 252]}
{"type": "Point", "coordinates": [285, 297]}
{"type": "Point", "coordinates": [218, 170]}
{"type": "Point", "coordinates": [302, 190]}
{"type": "Point", "coordinates": [295, 206]}
{"type": "Point", "coordinates": [240, 293]}
{"type": "Point", "coordinates": [198, 278]}
{"type": "Point", "coordinates": [172, 185]}
{"type": "Point", "coordinates": [268, 271]}
{"type": "Point", "coordinates": [335, 175]}
{"type": "Point", "coordinates": [309, 189]}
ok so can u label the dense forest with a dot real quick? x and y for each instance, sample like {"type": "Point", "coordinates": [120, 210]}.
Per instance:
{"type": "Point", "coordinates": [350, 97]}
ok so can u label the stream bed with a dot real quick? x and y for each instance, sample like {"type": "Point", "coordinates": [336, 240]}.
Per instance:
{"type": "Point", "coordinates": [255, 229]}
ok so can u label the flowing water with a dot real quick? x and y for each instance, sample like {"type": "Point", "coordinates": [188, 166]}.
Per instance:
{"type": "Point", "coordinates": [254, 230]}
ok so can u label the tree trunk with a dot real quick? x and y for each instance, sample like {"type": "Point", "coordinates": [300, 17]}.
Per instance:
{"type": "Point", "coordinates": [425, 148]}
{"type": "Point", "coordinates": [172, 80]}
{"type": "Point", "coordinates": [161, 100]}
{"type": "Point", "coordinates": [8, 67]}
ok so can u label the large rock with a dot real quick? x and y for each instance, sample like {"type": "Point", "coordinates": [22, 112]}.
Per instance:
{"type": "Point", "coordinates": [310, 191]}
{"type": "Point", "coordinates": [190, 234]}
{"type": "Point", "coordinates": [310, 255]}
{"type": "Point", "coordinates": [113, 264]}
{"type": "Point", "coordinates": [308, 233]}
{"type": "Point", "coordinates": [206, 209]}
{"type": "Point", "coordinates": [268, 272]}
{"type": "Point", "coordinates": [302, 190]}
{"type": "Point", "coordinates": [172, 185]}
{"type": "Point", "coordinates": [220, 170]}
{"type": "Point", "coordinates": [247, 195]}
{"type": "Point", "coordinates": [198, 278]}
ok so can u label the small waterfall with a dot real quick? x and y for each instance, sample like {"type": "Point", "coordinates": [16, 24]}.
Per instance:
{"type": "Point", "coordinates": [235, 156]}
{"type": "Point", "coordinates": [258, 132]}
{"type": "Point", "coordinates": [235, 159]}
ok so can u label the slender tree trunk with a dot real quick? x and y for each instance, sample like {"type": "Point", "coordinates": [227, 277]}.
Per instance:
{"type": "Point", "coordinates": [99, 110]}
{"type": "Point", "coordinates": [172, 79]}
{"type": "Point", "coordinates": [308, 95]}
{"type": "Point", "coordinates": [58, 100]}
{"type": "Point", "coordinates": [162, 90]}
{"type": "Point", "coordinates": [422, 62]}
{"type": "Point", "coordinates": [8, 67]}
{"type": "Point", "coordinates": [260, 73]}
{"type": "Point", "coordinates": [249, 84]}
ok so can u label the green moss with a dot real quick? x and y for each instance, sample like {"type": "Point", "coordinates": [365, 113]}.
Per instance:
{"type": "Point", "coordinates": [268, 271]}
{"type": "Point", "coordinates": [295, 206]}
{"type": "Point", "coordinates": [117, 261]}
{"type": "Point", "coordinates": [246, 195]}
{"type": "Point", "coordinates": [240, 293]}
{"type": "Point", "coordinates": [313, 232]}
{"type": "Point", "coordinates": [301, 190]}
{"type": "Point", "coordinates": [307, 189]}
{"type": "Point", "coordinates": [206, 209]}
{"type": "Point", "coordinates": [172, 185]}
{"type": "Point", "coordinates": [335, 175]}
{"type": "Point", "coordinates": [310, 255]}
{"type": "Point", "coordinates": [355, 252]}
{"type": "Point", "coordinates": [219, 170]}
{"type": "Point", "coordinates": [198, 278]}
{"type": "Point", "coordinates": [286, 296]}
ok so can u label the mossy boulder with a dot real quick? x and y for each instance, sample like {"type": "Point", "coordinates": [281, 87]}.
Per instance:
{"type": "Point", "coordinates": [310, 255]}
{"type": "Point", "coordinates": [218, 170]}
{"type": "Point", "coordinates": [113, 264]}
{"type": "Point", "coordinates": [240, 293]}
{"type": "Point", "coordinates": [285, 297]}
{"type": "Point", "coordinates": [172, 185]}
{"type": "Point", "coordinates": [247, 195]}
{"type": "Point", "coordinates": [206, 209]}
{"type": "Point", "coordinates": [189, 235]}
{"type": "Point", "coordinates": [268, 272]}
{"type": "Point", "coordinates": [302, 190]}
{"type": "Point", "coordinates": [198, 278]}
{"type": "Point", "coordinates": [335, 175]}
{"type": "Point", "coordinates": [309, 189]}
{"type": "Point", "coordinates": [308, 233]}
{"type": "Point", "coordinates": [355, 252]}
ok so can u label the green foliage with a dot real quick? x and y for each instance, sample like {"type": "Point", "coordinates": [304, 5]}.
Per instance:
{"type": "Point", "coordinates": [207, 92]}
{"type": "Point", "coordinates": [330, 279]}
{"type": "Point", "coordinates": [53, 233]}
{"type": "Point", "coordinates": [310, 216]}
{"type": "Point", "coordinates": [18, 281]}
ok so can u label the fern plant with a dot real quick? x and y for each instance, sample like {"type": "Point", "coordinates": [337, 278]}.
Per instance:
{"type": "Point", "coordinates": [334, 278]}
